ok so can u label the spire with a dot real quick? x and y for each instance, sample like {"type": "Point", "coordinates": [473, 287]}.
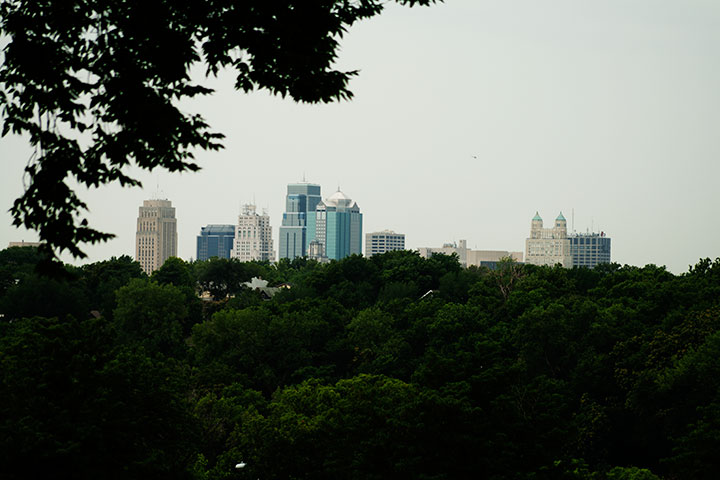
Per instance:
{"type": "Point", "coordinates": [560, 217]}
{"type": "Point", "coordinates": [537, 217]}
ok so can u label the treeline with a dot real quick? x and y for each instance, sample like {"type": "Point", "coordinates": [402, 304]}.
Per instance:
{"type": "Point", "coordinates": [389, 367]}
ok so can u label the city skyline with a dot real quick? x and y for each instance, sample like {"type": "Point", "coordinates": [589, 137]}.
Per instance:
{"type": "Point", "coordinates": [505, 108]}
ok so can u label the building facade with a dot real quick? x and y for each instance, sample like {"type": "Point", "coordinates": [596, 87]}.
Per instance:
{"type": "Point", "coordinates": [300, 204]}
{"type": "Point", "coordinates": [215, 241]}
{"type": "Point", "coordinates": [552, 246]}
{"type": "Point", "coordinates": [336, 227]}
{"type": "Point", "coordinates": [253, 236]}
{"type": "Point", "coordinates": [471, 258]}
{"type": "Point", "coordinates": [23, 243]}
{"type": "Point", "coordinates": [156, 234]}
{"type": "Point", "coordinates": [377, 243]}
{"type": "Point", "coordinates": [548, 246]}
{"type": "Point", "coordinates": [589, 249]}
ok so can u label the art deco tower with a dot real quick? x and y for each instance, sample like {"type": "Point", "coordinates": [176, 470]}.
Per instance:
{"type": "Point", "coordinates": [253, 236]}
{"type": "Point", "coordinates": [156, 236]}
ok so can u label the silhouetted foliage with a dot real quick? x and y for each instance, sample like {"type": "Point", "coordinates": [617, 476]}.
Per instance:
{"type": "Point", "coordinates": [354, 372]}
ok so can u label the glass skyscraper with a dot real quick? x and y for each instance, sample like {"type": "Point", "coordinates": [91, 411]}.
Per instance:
{"type": "Point", "coordinates": [338, 227]}
{"type": "Point", "coordinates": [215, 241]}
{"type": "Point", "coordinates": [298, 222]}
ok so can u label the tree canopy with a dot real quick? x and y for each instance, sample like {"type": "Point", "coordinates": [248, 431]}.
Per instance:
{"type": "Point", "coordinates": [521, 373]}
{"type": "Point", "coordinates": [95, 85]}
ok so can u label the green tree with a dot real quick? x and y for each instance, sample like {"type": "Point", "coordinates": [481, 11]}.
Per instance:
{"type": "Point", "coordinates": [175, 271]}
{"type": "Point", "coordinates": [152, 316]}
{"type": "Point", "coordinates": [102, 279]}
{"type": "Point", "coordinates": [222, 277]}
{"type": "Point", "coordinates": [74, 406]}
{"type": "Point", "coordinates": [370, 427]}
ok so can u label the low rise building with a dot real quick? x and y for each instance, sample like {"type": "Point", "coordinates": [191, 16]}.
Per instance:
{"type": "Point", "coordinates": [377, 243]}
{"type": "Point", "coordinates": [469, 257]}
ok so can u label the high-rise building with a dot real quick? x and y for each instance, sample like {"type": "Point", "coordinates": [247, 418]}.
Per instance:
{"type": "Point", "coordinates": [548, 246]}
{"type": "Point", "coordinates": [253, 236]}
{"type": "Point", "coordinates": [337, 227]}
{"type": "Point", "coordinates": [156, 235]}
{"type": "Point", "coordinates": [589, 249]}
{"type": "Point", "coordinates": [215, 241]}
{"type": "Point", "coordinates": [300, 204]}
{"type": "Point", "coordinates": [377, 243]}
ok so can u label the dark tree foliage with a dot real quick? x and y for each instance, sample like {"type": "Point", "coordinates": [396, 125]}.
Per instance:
{"type": "Point", "coordinates": [522, 373]}
{"type": "Point", "coordinates": [74, 406]}
{"type": "Point", "coordinates": [95, 85]}
{"type": "Point", "coordinates": [102, 279]}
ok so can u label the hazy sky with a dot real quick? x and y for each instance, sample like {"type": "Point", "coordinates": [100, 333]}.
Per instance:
{"type": "Point", "coordinates": [607, 107]}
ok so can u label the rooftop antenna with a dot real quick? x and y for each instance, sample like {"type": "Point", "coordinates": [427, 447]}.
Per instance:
{"type": "Point", "coordinates": [573, 220]}
{"type": "Point", "coordinates": [304, 181]}
{"type": "Point", "coordinates": [157, 188]}
{"type": "Point", "coordinates": [592, 224]}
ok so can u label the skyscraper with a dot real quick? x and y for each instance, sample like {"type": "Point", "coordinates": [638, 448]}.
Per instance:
{"type": "Point", "coordinates": [300, 202]}
{"type": "Point", "coordinates": [215, 241]}
{"type": "Point", "coordinates": [253, 236]}
{"type": "Point", "coordinates": [337, 226]}
{"type": "Point", "coordinates": [156, 234]}
{"type": "Point", "coordinates": [548, 246]}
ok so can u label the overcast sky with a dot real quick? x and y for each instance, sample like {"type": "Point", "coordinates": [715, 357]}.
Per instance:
{"type": "Point", "coordinates": [468, 117]}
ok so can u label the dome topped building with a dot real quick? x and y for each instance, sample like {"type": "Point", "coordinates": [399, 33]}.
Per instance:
{"type": "Point", "coordinates": [337, 226]}
{"type": "Point", "coordinates": [340, 200]}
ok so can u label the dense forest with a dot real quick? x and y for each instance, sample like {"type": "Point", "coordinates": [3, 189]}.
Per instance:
{"type": "Point", "coordinates": [392, 367]}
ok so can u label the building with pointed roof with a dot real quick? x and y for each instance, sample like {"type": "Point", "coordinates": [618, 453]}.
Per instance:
{"type": "Point", "coordinates": [335, 231]}
{"type": "Point", "coordinates": [548, 246]}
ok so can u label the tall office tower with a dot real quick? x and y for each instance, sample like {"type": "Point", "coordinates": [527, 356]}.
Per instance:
{"type": "Point", "coordinates": [337, 226]}
{"type": "Point", "coordinates": [301, 200]}
{"type": "Point", "coordinates": [156, 235]}
{"type": "Point", "coordinates": [253, 237]}
{"type": "Point", "coordinates": [589, 249]}
{"type": "Point", "coordinates": [377, 243]}
{"type": "Point", "coordinates": [215, 241]}
{"type": "Point", "coordinates": [548, 246]}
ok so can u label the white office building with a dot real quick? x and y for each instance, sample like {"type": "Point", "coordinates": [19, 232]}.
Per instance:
{"type": "Point", "coordinates": [253, 236]}
{"type": "Point", "coordinates": [377, 243]}
{"type": "Point", "coordinates": [548, 246]}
